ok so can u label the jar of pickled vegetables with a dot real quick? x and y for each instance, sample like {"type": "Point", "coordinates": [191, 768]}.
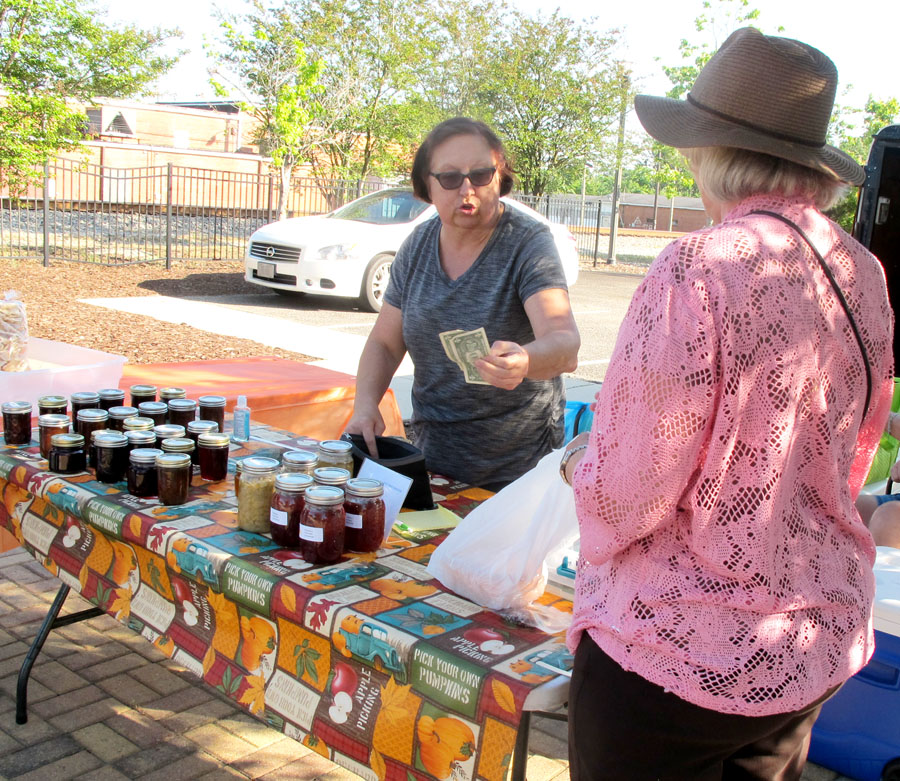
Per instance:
{"type": "Point", "coordinates": [299, 461]}
{"type": "Point", "coordinates": [255, 498]}
{"type": "Point", "coordinates": [336, 452]}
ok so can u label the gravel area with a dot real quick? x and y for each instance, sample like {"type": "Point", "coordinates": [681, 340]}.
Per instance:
{"type": "Point", "coordinates": [51, 297]}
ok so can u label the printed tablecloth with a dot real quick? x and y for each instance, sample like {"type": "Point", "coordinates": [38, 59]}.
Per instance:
{"type": "Point", "coordinates": [369, 662]}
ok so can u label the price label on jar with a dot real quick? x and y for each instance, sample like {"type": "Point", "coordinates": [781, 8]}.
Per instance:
{"type": "Point", "coordinates": [278, 517]}
{"type": "Point", "coordinates": [312, 533]}
{"type": "Point", "coordinates": [353, 521]}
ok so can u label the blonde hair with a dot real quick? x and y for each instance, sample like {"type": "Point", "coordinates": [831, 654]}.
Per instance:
{"type": "Point", "coordinates": [729, 174]}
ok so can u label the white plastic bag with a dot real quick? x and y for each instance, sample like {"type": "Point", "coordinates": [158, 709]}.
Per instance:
{"type": "Point", "coordinates": [497, 554]}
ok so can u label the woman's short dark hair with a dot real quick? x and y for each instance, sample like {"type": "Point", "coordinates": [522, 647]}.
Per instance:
{"type": "Point", "coordinates": [458, 126]}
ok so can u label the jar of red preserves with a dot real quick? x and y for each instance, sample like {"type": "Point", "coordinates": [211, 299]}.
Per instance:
{"type": "Point", "coordinates": [167, 394]}
{"type": "Point", "coordinates": [118, 416]}
{"type": "Point", "coordinates": [89, 420]}
{"type": "Point", "coordinates": [364, 511]}
{"type": "Point", "coordinates": [212, 408]}
{"type": "Point", "coordinates": [322, 525]}
{"type": "Point", "coordinates": [157, 411]}
{"type": "Point", "coordinates": [141, 394]}
{"type": "Point", "coordinates": [84, 400]}
{"type": "Point", "coordinates": [92, 446]}
{"type": "Point", "coordinates": [48, 425]}
{"type": "Point", "coordinates": [138, 423]}
{"type": "Point", "coordinates": [287, 507]}
{"type": "Point", "coordinates": [111, 454]}
{"type": "Point", "coordinates": [67, 454]}
{"type": "Point", "coordinates": [52, 405]}
{"type": "Point", "coordinates": [194, 429]}
{"type": "Point", "coordinates": [17, 422]}
{"type": "Point", "coordinates": [173, 475]}
{"type": "Point", "coordinates": [212, 454]}
{"type": "Point", "coordinates": [141, 474]}
{"type": "Point", "coordinates": [182, 411]}
{"type": "Point", "coordinates": [111, 397]}
{"type": "Point", "coordinates": [140, 438]}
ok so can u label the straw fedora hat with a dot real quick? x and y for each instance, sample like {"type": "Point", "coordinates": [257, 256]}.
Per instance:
{"type": "Point", "coordinates": [757, 92]}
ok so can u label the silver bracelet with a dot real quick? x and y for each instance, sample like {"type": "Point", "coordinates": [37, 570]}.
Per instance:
{"type": "Point", "coordinates": [565, 462]}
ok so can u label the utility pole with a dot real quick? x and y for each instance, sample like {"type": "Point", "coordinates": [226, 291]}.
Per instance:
{"type": "Point", "coordinates": [617, 182]}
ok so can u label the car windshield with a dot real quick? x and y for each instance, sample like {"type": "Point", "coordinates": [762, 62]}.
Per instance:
{"type": "Point", "coordinates": [389, 207]}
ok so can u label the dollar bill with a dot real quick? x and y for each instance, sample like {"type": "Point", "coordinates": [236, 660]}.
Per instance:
{"type": "Point", "coordinates": [448, 348]}
{"type": "Point", "coordinates": [468, 347]}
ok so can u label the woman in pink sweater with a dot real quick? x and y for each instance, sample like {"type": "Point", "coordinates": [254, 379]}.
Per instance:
{"type": "Point", "coordinates": [724, 588]}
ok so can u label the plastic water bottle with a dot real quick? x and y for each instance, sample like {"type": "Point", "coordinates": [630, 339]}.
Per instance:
{"type": "Point", "coordinates": [241, 424]}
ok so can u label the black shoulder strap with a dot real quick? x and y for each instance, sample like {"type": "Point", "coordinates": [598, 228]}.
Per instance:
{"type": "Point", "coordinates": [838, 292]}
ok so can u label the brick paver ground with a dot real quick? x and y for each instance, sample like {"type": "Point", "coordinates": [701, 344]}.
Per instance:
{"type": "Point", "coordinates": [105, 705]}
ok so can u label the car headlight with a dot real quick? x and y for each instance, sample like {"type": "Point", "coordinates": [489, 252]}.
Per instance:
{"type": "Point", "coordinates": [336, 252]}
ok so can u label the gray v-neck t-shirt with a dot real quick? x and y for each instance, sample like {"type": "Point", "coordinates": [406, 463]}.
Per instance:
{"type": "Point", "coordinates": [478, 433]}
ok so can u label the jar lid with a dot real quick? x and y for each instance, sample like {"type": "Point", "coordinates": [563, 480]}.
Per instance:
{"type": "Point", "coordinates": [92, 415]}
{"type": "Point", "coordinates": [300, 458]}
{"type": "Point", "coordinates": [335, 447]}
{"type": "Point", "coordinates": [167, 430]}
{"type": "Point", "coordinates": [323, 495]}
{"type": "Point", "coordinates": [172, 460]}
{"type": "Point", "coordinates": [181, 404]}
{"type": "Point", "coordinates": [120, 413]}
{"type": "Point", "coordinates": [107, 438]}
{"type": "Point", "coordinates": [212, 401]}
{"type": "Point", "coordinates": [214, 439]}
{"type": "Point", "coordinates": [83, 396]}
{"type": "Point", "coordinates": [111, 393]}
{"type": "Point", "coordinates": [53, 401]}
{"type": "Point", "coordinates": [238, 467]}
{"type": "Point", "coordinates": [177, 445]}
{"type": "Point", "coordinates": [293, 482]}
{"type": "Point", "coordinates": [331, 475]}
{"type": "Point", "coordinates": [99, 431]}
{"type": "Point", "coordinates": [364, 486]}
{"type": "Point", "coordinates": [140, 437]}
{"type": "Point", "coordinates": [68, 441]}
{"type": "Point", "coordinates": [202, 426]}
{"type": "Point", "coordinates": [17, 406]}
{"type": "Point", "coordinates": [153, 406]}
{"type": "Point", "coordinates": [143, 390]}
{"type": "Point", "coordinates": [52, 419]}
{"type": "Point", "coordinates": [172, 393]}
{"type": "Point", "coordinates": [138, 423]}
{"type": "Point", "coordinates": [260, 465]}
{"type": "Point", "coordinates": [144, 455]}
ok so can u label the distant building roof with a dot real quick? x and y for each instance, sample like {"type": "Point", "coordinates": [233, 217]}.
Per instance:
{"type": "Point", "coordinates": [646, 199]}
{"type": "Point", "coordinates": [223, 106]}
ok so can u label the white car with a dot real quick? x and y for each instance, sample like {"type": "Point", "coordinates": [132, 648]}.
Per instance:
{"type": "Point", "coordinates": [349, 251]}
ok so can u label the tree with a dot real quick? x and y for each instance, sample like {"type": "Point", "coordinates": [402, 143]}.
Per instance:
{"type": "Point", "coordinates": [54, 50]}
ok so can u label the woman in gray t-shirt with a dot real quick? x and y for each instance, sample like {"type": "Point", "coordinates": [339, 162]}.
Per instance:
{"type": "Point", "coordinates": [479, 263]}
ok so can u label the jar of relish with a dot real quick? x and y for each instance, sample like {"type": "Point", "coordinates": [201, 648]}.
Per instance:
{"type": "Point", "coordinates": [168, 431]}
{"type": "Point", "coordinates": [67, 454]}
{"type": "Point", "coordinates": [17, 422]}
{"type": "Point", "coordinates": [141, 473]}
{"type": "Point", "coordinates": [182, 411]}
{"type": "Point", "coordinates": [299, 461]}
{"type": "Point", "coordinates": [197, 427]}
{"type": "Point", "coordinates": [331, 475]}
{"type": "Point", "coordinates": [322, 525]}
{"type": "Point", "coordinates": [287, 507]}
{"type": "Point", "coordinates": [141, 394]}
{"type": "Point", "coordinates": [364, 512]}
{"type": "Point", "coordinates": [336, 452]}
{"type": "Point", "coordinates": [212, 408]}
{"type": "Point", "coordinates": [157, 411]}
{"type": "Point", "coordinates": [48, 425]}
{"type": "Point", "coordinates": [84, 400]}
{"type": "Point", "coordinates": [140, 438]}
{"type": "Point", "coordinates": [173, 473]}
{"type": "Point", "coordinates": [255, 498]}
{"type": "Point", "coordinates": [89, 420]}
{"type": "Point", "coordinates": [118, 416]}
{"type": "Point", "coordinates": [111, 397]}
{"type": "Point", "coordinates": [212, 450]}
{"type": "Point", "coordinates": [52, 405]}
{"type": "Point", "coordinates": [111, 450]}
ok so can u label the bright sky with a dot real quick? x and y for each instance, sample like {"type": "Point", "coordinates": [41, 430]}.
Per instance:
{"type": "Point", "coordinates": [860, 37]}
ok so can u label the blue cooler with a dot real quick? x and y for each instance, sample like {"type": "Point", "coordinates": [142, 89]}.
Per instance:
{"type": "Point", "coordinates": [858, 730]}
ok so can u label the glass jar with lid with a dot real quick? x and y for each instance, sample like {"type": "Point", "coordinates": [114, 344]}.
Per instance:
{"type": "Point", "coordinates": [141, 438]}
{"type": "Point", "coordinates": [287, 507]}
{"type": "Point", "coordinates": [17, 422]}
{"type": "Point", "coordinates": [197, 427]}
{"type": "Point", "coordinates": [336, 452]}
{"type": "Point", "coordinates": [67, 454]}
{"type": "Point", "coordinates": [299, 461]}
{"type": "Point", "coordinates": [178, 445]}
{"type": "Point", "coordinates": [173, 475]}
{"type": "Point", "coordinates": [182, 411]}
{"type": "Point", "coordinates": [138, 423]}
{"type": "Point", "coordinates": [322, 525]}
{"type": "Point", "coordinates": [89, 420]}
{"type": "Point", "coordinates": [168, 431]}
{"type": "Point", "coordinates": [111, 449]}
{"type": "Point", "coordinates": [84, 400]}
{"type": "Point", "coordinates": [212, 455]}
{"type": "Point", "coordinates": [118, 416]}
{"type": "Point", "coordinates": [92, 447]}
{"type": "Point", "coordinates": [48, 425]}
{"type": "Point", "coordinates": [111, 397]}
{"type": "Point", "coordinates": [212, 408]}
{"type": "Point", "coordinates": [364, 512]}
{"type": "Point", "coordinates": [255, 498]}
{"type": "Point", "coordinates": [141, 394]}
{"type": "Point", "coordinates": [167, 394]}
{"type": "Point", "coordinates": [331, 475]}
{"type": "Point", "coordinates": [141, 473]}
{"type": "Point", "coordinates": [157, 411]}
{"type": "Point", "coordinates": [52, 405]}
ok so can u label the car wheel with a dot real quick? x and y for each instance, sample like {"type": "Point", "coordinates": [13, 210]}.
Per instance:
{"type": "Point", "coordinates": [375, 282]}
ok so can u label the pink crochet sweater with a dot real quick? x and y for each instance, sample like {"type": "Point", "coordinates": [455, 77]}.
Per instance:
{"type": "Point", "coordinates": [721, 554]}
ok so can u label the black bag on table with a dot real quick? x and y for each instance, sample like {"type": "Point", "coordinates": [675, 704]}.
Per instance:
{"type": "Point", "coordinates": [401, 456]}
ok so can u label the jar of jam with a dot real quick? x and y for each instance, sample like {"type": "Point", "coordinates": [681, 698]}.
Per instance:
{"type": "Point", "coordinates": [173, 472]}
{"type": "Point", "coordinates": [364, 512]}
{"type": "Point", "coordinates": [212, 449]}
{"type": "Point", "coordinates": [182, 411]}
{"type": "Point", "coordinates": [89, 420]}
{"type": "Point", "coordinates": [255, 498]}
{"type": "Point", "coordinates": [48, 425]}
{"type": "Point", "coordinates": [140, 438]}
{"type": "Point", "coordinates": [141, 472]}
{"type": "Point", "coordinates": [84, 400]}
{"type": "Point", "coordinates": [111, 397]}
{"type": "Point", "coordinates": [141, 394]}
{"type": "Point", "coordinates": [111, 450]}
{"type": "Point", "coordinates": [157, 411]}
{"type": "Point", "coordinates": [138, 423]}
{"type": "Point", "coordinates": [168, 431]}
{"type": "Point", "coordinates": [322, 525]}
{"type": "Point", "coordinates": [197, 427]}
{"type": "Point", "coordinates": [92, 445]}
{"type": "Point", "coordinates": [238, 468]}
{"type": "Point", "coordinates": [331, 475]}
{"type": "Point", "coordinates": [299, 461]}
{"type": "Point", "coordinates": [17, 422]}
{"type": "Point", "coordinates": [336, 452]}
{"type": "Point", "coordinates": [212, 408]}
{"type": "Point", "coordinates": [118, 416]}
{"type": "Point", "coordinates": [53, 405]}
{"type": "Point", "coordinates": [167, 394]}
{"type": "Point", "coordinates": [178, 445]}
{"type": "Point", "coordinates": [287, 506]}
{"type": "Point", "coordinates": [67, 454]}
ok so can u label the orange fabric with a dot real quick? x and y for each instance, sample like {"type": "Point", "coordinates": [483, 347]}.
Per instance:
{"type": "Point", "coordinates": [284, 394]}
{"type": "Point", "coordinates": [7, 541]}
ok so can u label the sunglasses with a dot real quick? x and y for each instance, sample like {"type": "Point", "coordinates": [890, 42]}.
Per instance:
{"type": "Point", "coordinates": [452, 180]}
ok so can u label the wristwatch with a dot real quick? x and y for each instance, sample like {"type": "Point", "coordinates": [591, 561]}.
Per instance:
{"type": "Point", "coordinates": [565, 462]}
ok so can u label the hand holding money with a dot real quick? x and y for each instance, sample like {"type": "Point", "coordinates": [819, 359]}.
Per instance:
{"type": "Point", "coordinates": [503, 365]}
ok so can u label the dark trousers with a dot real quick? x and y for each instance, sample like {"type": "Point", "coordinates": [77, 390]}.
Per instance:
{"type": "Point", "coordinates": [621, 726]}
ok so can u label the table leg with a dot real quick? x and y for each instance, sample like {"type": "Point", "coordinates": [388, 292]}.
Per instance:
{"type": "Point", "coordinates": [50, 622]}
